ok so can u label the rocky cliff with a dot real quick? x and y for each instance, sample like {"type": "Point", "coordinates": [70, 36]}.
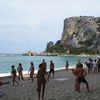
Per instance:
{"type": "Point", "coordinates": [81, 32]}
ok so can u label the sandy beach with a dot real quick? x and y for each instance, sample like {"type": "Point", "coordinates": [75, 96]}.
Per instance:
{"type": "Point", "coordinates": [59, 88]}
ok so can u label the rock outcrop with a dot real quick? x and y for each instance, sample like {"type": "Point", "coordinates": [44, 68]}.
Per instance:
{"type": "Point", "coordinates": [30, 53]}
{"type": "Point", "coordinates": [49, 45]}
{"type": "Point", "coordinates": [81, 31]}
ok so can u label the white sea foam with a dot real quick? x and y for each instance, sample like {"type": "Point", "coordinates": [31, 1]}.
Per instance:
{"type": "Point", "coordinates": [26, 72]}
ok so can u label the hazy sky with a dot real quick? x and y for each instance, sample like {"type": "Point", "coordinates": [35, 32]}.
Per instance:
{"type": "Point", "coordinates": [30, 24]}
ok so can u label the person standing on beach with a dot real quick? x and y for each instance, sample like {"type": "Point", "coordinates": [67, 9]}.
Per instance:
{"type": "Point", "coordinates": [31, 70]}
{"type": "Point", "coordinates": [41, 81]}
{"type": "Point", "coordinates": [52, 66]}
{"type": "Point", "coordinates": [98, 64]}
{"type": "Point", "coordinates": [13, 73]}
{"type": "Point", "coordinates": [95, 69]}
{"type": "Point", "coordinates": [44, 65]}
{"type": "Point", "coordinates": [20, 72]}
{"type": "Point", "coordinates": [89, 64]}
{"type": "Point", "coordinates": [67, 65]}
{"type": "Point", "coordinates": [80, 73]}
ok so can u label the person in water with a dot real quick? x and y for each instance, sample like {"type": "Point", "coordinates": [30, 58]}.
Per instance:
{"type": "Point", "coordinates": [31, 70]}
{"type": "Point", "coordinates": [20, 72]}
{"type": "Point", "coordinates": [41, 80]}
{"type": "Point", "coordinates": [13, 73]}
{"type": "Point", "coordinates": [80, 74]}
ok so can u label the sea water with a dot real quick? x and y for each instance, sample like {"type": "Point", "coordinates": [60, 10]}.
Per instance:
{"type": "Point", "coordinates": [6, 60]}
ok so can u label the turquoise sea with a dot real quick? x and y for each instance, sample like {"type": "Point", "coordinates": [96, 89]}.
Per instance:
{"type": "Point", "coordinates": [6, 60]}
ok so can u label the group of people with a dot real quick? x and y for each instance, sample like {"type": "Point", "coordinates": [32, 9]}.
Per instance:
{"type": "Point", "coordinates": [42, 75]}
{"type": "Point", "coordinates": [80, 72]}
{"type": "Point", "coordinates": [14, 73]}
{"type": "Point", "coordinates": [93, 65]}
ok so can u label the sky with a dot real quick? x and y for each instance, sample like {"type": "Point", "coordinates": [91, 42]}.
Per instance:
{"type": "Point", "coordinates": [31, 24]}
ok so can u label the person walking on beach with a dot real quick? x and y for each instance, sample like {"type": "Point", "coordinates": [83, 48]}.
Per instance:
{"type": "Point", "coordinates": [95, 69]}
{"type": "Point", "coordinates": [80, 73]}
{"type": "Point", "coordinates": [13, 73]}
{"type": "Point", "coordinates": [31, 70]}
{"type": "Point", "coordinates": [52, 66]}
{"type": "Point", "coordinates": [41, 81]}
{"type": "Point", "coordinates": [67, 65]}
{"type": "Point", "coordinates": [20, 72]}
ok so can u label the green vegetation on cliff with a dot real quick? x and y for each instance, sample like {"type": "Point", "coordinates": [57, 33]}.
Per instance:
{"type": "Point", "coordinates": [67, 49]}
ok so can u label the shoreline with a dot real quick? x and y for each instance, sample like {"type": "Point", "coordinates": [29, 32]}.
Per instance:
{"type": "Point", "coordinates": [26, 72]}
{"type": "Point", "coordinates": [56, 54]}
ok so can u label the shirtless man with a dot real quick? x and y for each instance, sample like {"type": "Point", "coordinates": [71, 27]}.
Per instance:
{"type": "Point", "coordinates": [80, 73]}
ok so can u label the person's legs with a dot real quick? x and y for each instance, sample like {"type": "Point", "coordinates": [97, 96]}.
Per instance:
{"type": "Point", "coordinates": [89, 70]}
{"type": "Point", "coordinates": [76, 84]}
{"type": "Point", "coordinates": [43, 90]}
{"type": "Point", "coordinates": [99, 68]}
{"type": "Point", "coordinates": [19, 76]}
{"type": "Point", "coordinates": [87, 86]}
{"type": "Point", "coordinates": [50, 74]}
{"type": "Point", "coordinates": [39, 89]}
{"type": "Point", "coordinates": [17, 82]}
{"type": "Point", "coordinates": [22, 76]}
{"type": "Point", "coordinates": [79, 80]}
{"type": "Point", "coordinates": [53, 73]}
{"type": "Point", "coordinates": [78, 87]}
{"type": "Point", "coordinates": [32, 78]}
{"type": "Point", "coordinates": [13, 81]}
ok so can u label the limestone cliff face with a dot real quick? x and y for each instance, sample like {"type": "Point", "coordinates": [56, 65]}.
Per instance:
{"type": "Point", "coordinates": [81, 31]}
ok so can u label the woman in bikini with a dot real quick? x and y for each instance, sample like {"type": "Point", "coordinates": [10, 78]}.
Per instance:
{"type": "Point", "coordinates": [31, 70]}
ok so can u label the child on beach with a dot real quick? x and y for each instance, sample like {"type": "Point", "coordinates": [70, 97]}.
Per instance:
{"type": "Point", "coordinates": [13, 72]}
{"type": "Point", "coordinates": [31, 70]}
{"type": "Point", "coordinates": [20, 73]}
{"type": "Point", "coordinates": [80, 74]}
{"type": "Point", "coordinates": [41, 81]}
